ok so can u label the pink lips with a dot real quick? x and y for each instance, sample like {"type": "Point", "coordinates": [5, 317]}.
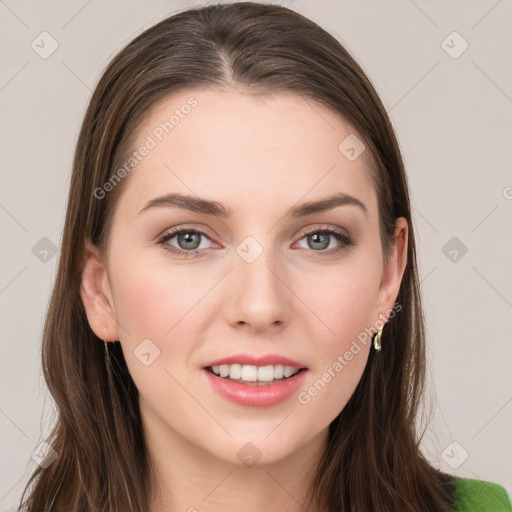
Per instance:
{"type": "Point", "coordinates": [256, 395]}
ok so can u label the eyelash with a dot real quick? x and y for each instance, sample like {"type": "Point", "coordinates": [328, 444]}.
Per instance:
{"type": "Point", "coordinates": [338, 234]}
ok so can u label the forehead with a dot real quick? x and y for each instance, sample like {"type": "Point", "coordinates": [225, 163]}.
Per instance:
{"type": "Point", "coordinates": [244, 150]}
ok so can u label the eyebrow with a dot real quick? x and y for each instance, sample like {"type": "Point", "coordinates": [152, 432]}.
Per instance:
{"type": "Point", "coordinates": [216, 209]}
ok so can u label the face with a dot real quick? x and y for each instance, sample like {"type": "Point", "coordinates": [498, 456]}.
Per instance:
{"type": "Point", "coordinates": [189, 287]}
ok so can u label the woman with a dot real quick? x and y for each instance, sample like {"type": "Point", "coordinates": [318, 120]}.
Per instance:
{"type": "Point", "coordinates": [236, 319]}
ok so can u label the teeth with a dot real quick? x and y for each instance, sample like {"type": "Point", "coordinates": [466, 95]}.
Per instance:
{"type": "Point", "coordinates": [250, 373]}
{"type": "Point", "coordinates": [288, 371]}
{"type": "Point", "coordinates": [233, 372]}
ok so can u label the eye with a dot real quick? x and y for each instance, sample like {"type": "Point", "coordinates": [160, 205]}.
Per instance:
{"type": "Point", "coordinates": [188, 240]}
{"type": "Point", "coordinates": [319, 239]}
{"type": "Point", "coordinates": [190, 244]}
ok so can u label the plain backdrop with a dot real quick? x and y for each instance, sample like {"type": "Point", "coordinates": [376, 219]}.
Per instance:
{"type": "Point", "coordinates": [443, 72]}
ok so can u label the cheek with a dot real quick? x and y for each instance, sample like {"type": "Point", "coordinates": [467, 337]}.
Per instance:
{"type": "Point", "coordinates": [151, 299]}
{"type": "Point", "coordinates": [343, 300]}
{"type": "Point", "coordinates": [155, 301]}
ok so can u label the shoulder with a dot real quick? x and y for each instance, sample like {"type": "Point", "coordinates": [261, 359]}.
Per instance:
{"type": "Point", "coordinates": [473, 495]}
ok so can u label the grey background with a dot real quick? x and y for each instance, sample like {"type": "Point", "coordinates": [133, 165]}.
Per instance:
{"type": "Point", "coordinates": [452, 117]}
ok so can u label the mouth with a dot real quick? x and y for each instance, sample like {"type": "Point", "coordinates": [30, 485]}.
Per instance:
{"type": "Point", "coordinates": [249, 385]}
{"type": "Point", "coordinates": [252, 375]}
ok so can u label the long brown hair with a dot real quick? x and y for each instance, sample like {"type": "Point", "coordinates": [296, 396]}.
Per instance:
{"type": "Point", "coordinates": [372, 461]}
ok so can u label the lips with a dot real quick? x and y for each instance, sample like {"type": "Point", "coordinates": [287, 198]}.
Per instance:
{"type": "Point", "coordinates": [254, 360]}
{"type": "Point", "coordinates": [254, 394]}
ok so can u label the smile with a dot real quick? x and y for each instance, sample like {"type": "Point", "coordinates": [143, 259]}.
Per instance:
{"type": "Point", "coordinates": [254, 374]}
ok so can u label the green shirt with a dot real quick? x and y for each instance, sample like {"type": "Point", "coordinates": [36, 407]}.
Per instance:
{"type": "Point", "coordinates": [480, 496]}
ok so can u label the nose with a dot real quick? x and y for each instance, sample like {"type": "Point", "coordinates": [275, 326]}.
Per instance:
{"type": "Point", "coordinates": [259, 295]}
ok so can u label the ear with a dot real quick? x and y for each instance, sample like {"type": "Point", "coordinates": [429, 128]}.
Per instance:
{"type": "Point", "coordinates": [96, 295]}
{"type": "Point", "coordinates": [393, 269]}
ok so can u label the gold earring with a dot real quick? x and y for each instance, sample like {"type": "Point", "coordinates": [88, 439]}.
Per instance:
{"type": "Point", "coordinates": [376, 340]}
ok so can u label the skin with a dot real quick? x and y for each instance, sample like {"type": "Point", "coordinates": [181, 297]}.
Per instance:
{"type": "Point", "coordinates": [258, 157]}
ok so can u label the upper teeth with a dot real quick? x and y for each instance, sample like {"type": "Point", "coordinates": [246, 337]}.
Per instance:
{"type": "Point", "coordinates": [249, 372]}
